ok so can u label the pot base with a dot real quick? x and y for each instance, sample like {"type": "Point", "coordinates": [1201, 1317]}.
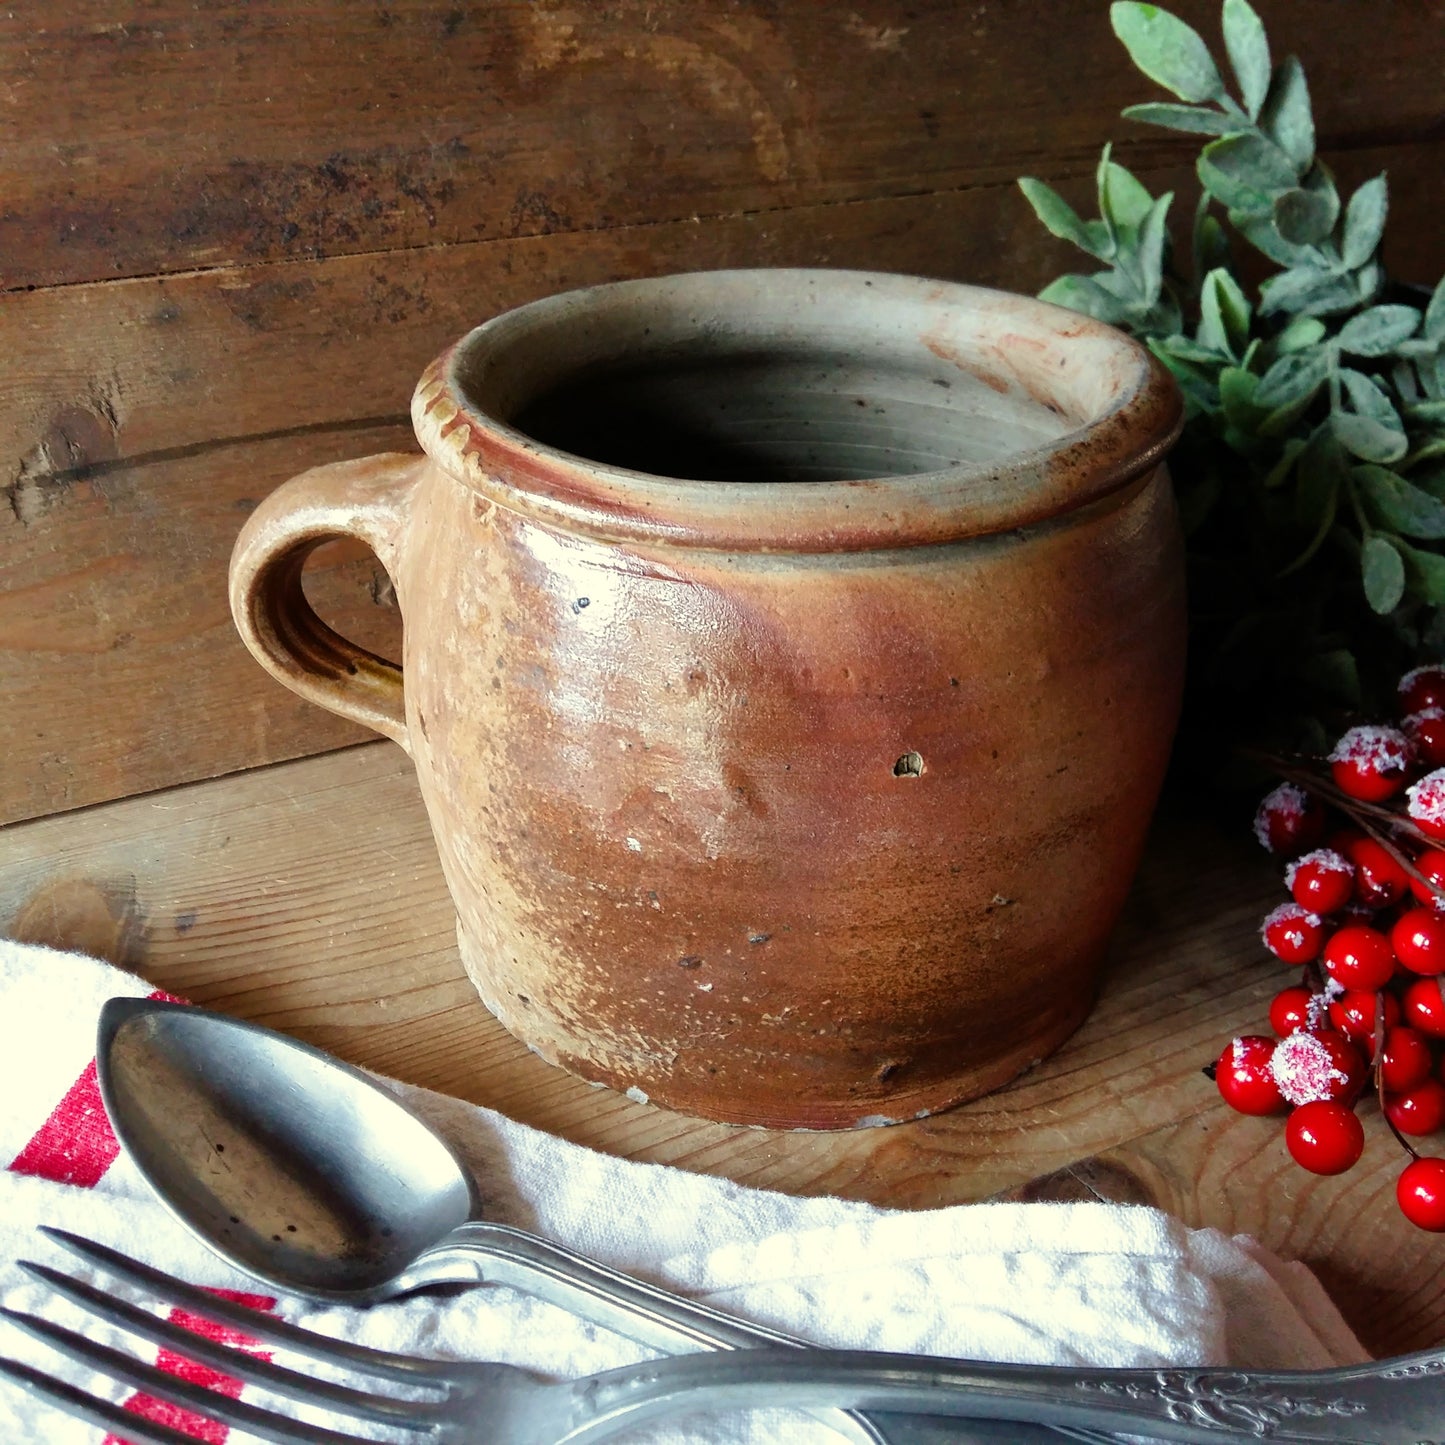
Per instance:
{"type": "Point", "coordinates": [766, 1105]}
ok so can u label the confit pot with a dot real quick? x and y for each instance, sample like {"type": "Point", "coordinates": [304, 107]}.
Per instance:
{"type": "Point", "coordinates": [791, 660]}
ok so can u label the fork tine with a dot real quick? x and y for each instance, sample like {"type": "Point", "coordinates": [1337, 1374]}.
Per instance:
{"type": "Point", "coordinates": [260, 1326]}
{"type": "Point", "coordinates": [95, 1411]}
{"type": "Point", "coordinates": [226, 1359]}
{"type": "Point", "coordinates": [176, 1391]}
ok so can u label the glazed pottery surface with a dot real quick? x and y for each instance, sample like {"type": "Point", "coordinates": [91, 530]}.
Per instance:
{"type": "Point", "coordinates": [791, 663]}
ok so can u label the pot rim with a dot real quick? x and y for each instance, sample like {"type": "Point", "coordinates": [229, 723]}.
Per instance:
{"type": "Point", "coordinates": [1085, 466]}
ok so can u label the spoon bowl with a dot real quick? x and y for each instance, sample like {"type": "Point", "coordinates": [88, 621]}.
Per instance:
{"type": "Point", "coordinates": [295, 1167]}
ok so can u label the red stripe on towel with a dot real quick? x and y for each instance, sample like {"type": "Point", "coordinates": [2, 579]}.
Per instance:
{"type": "Point", "coordinates": [75, 1145]}
{"type": "Point", "coordinates": [177, 1416]}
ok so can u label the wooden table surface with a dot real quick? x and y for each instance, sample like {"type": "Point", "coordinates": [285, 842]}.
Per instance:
{"type": "Point", "coordinates": [307, 896]}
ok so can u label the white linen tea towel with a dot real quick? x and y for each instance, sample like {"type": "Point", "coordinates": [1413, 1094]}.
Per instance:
{"type": "Point", "coordinates": [1046, 1283]}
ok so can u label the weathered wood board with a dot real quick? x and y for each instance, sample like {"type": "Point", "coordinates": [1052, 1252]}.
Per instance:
{"type": "Point", "coordinates": [171, 136]}
{"type": "Point", "coordinates": [308, 896]}
{"type": "Point", "coordinates": [231, 236]}
{"type": "Point", "coordinates": [142, 417]}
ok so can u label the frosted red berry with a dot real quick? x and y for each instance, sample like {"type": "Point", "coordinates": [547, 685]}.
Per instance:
{"type": "Point", "coordinates": [1359, 957]}
{"type": "Point", "coordinates": [1418, 939]}
{"type": "Point", "coordinates": [1423, 1007]}
{"type": "Point", "coordinates": [1293, 934]}
{"type": "Point", "coordinates": [1426, 804]}
{"type": "Point", "coordinates": [1353, 1014]}
{"type": "Point", "coordinates": [1426, 731]}
{"type": "Point", "coordinates": [1294, 1008]}
{"type": "Point", "coordinates": [1324, 1137]}
{"type": "Point", "coordinates": [1371, 763]}
{"type": "Point", "coordinates": [1420, 1110]}
{"type": "Point", "coordinates": [1243, 1076]}
{"type": "Point", "coordinates": [1406, 1060]}
{"type": "Point", "coordinates": [1420, 1193]}
{"type": "Point", "coordinates": [1431, 866]}
{"type": "Point", "coordinates": [1379, 878]}
{"type": "Point", "coordinates": [1322, 881]}
{"type": "Point", "coordinates": [1421, 688]}
{"type": "Point", "coordinates": [1368, 1009]}
{"type": "Point", "coordinates": [1289, 821]}
{"type": "Point", "coordinates": [1310, 1066]}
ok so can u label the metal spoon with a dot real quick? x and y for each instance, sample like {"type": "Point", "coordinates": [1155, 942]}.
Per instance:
{"type": "Point", "coordinates": [305, 1173]}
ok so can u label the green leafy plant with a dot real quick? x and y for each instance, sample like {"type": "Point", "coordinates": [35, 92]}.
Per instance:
{"type": "Point", "coordinates": [1311, 475]}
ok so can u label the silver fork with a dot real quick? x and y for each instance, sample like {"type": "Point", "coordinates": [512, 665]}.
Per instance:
{"type": "Point", "coordinates": [916, 1429]}
{"type": "Point", "coordinates": [472, 1404]}
{"type": "Point", "coordinates": [1395, 1402]}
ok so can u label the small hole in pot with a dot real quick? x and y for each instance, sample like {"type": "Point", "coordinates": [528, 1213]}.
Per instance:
{"type": "Point", "coordinates": [910, 765]}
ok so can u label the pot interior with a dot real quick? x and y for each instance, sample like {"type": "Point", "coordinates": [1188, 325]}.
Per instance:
{"type": "Point", "coordinates": [785, 414]}
{"type": "Point", "coordinates": [788, 376]}
{"type": "Point", "coordinates": [763, 415]}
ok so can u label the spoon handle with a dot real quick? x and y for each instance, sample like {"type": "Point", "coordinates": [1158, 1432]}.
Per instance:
{"type": "Point", "coordinates": [490, 1253]}
{"type": "Point", "coordinates": [647, 1313]}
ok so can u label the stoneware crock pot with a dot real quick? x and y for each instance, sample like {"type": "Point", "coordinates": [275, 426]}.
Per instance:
{"type": "Point", "coordinates": [791, 661]}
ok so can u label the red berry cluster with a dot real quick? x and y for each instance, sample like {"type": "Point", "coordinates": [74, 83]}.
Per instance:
{"type": "Point", "coordinates": [1366, 925]}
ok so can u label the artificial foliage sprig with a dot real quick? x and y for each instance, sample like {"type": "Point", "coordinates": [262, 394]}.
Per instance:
{"type": "Point", "coordinates": [1311, 476]}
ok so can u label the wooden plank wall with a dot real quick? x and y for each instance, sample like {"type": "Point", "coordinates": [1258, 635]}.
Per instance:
{"type": "Point", "coordinates": [232, 234]}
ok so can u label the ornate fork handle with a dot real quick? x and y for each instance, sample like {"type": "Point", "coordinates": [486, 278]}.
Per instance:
{"type": "Point", "coordinates": [1396, 1402]}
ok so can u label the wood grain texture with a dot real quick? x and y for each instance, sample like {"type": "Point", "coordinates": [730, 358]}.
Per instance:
{"type": "Point", "coordinates": [176, 136]}
{"type": "Point", "coordinates": [106, 373]}
{"type": "Point", "coordinates": [111, 372]}
{"type": "Point", "coordinates": [139, 418]}
{"type": "Point", "coordinates": [120, 668]}
{"type": "Point", "coordinates": [145, 418]}
{"type": "Point", "coordinates": [307, 896]}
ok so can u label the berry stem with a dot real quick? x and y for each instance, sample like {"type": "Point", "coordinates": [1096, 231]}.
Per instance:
{"type": "Point", "coordinates": [1377, 1068]}
{"type": "Point", "coordinates": [1300, 772]}
{"type": "Point", "coordinates": [1379, 1073]}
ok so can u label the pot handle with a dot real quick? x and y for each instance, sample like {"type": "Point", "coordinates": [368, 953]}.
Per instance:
{"type": "Point", "coordinates": [367, 499]}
